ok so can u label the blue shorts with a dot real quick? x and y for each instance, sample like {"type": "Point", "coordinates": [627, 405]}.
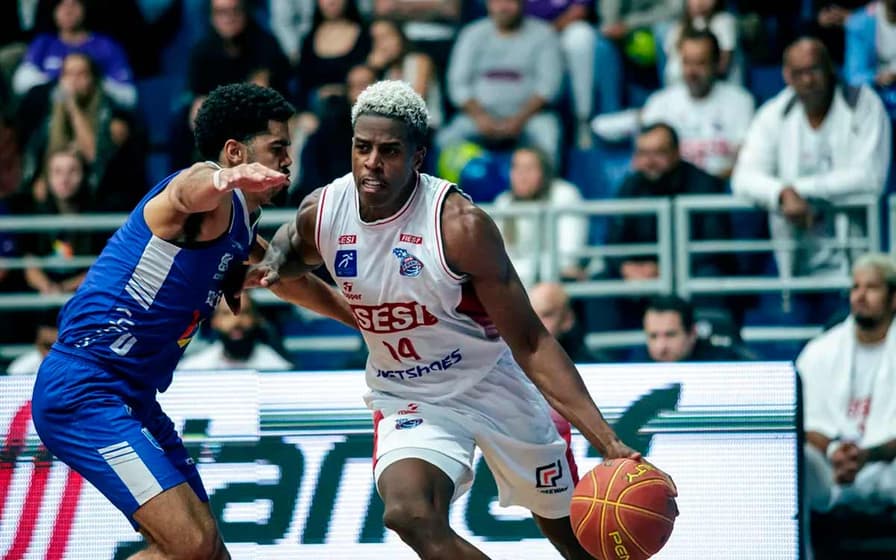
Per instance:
{"type": "Point", "coordinates": [127, 448]}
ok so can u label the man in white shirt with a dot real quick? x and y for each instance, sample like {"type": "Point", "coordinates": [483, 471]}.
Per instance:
{"type": "Point", "coordinates": [849, 393]}
{"type": "Point", "coordinates": [29, 362]}
{"type": "Point", "coordinates": [710, 116]}
{"type": "Point", "coordinates": [239, 344]}
{"type": "Point", "coordinates": [814, 144]}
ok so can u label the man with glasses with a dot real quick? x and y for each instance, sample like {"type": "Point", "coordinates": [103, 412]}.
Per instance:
{"type": "Point", "coordinates": [812, 146]}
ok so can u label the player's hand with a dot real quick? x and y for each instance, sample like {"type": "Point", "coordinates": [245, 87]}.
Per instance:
{"type": "Point", "coordinates": [251, 177]}
{"type": "Point", "coordinates": [267, 272]}
{"type": "Point", "coordinates": [618, 450]}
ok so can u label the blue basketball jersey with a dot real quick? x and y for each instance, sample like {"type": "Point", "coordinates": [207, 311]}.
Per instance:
{"type": "Point", "coordinates": [144, 298]}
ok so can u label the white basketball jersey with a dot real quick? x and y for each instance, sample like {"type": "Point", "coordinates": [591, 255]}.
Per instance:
{"type": "Point", "coordinates": [428, 335]}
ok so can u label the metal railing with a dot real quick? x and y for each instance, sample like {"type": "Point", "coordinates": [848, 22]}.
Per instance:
{"type": "Point", "coordinates": [687, 208]}
{"type": "Point", "coordinates": [674, 250]}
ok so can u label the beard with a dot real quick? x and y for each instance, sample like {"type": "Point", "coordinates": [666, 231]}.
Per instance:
{"type": "Point", "coordinates": [867, 322]}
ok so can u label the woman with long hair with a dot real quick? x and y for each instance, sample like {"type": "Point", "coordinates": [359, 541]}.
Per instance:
{"type": "Point", "coordinates": [702, 15]}
{"type": "Point", "coordinates": [393, 56]}
{"type": "Point", "coordinates": [533, 182]}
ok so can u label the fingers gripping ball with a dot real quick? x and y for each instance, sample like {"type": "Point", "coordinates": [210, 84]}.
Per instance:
{"type": "Point", "coordinates": [623, 509]}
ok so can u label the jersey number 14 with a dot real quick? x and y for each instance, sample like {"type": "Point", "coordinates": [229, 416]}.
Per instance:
{"type": "Point", "coordinates": [405, 349]}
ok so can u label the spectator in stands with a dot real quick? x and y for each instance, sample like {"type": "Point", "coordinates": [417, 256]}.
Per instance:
{"type": "Point", "coordinates": [871, 50]}
{"type": "Point", "coordinates": [45, 335]}
{"type": "Point", "coordinates": [430, 25]}
{"type": "Point", "coordinates": [659, 171]}
{"type": "Point", "coordinates": [290, 22]}
{"type": "Point", "coordinates": [236, 49]}
{"type": "Point", "coordinates": [849, 393]}
{"type": "Point", "coordinates": [393, 58]}
{"type": "Point", "coordinates": [240, 345]}
{"type": "Point", "coordinates": [710, 116]}
{"type": "Point", "coordinates": [67, 193]}
{"type": "Point", "coordinates": [338, 41]}
{"type": "Point", "coordinates": [532, 180]}
{"type": "Point", "coordinates": [43, 60]}
{"type": "Point", "coordinates": [628, 29]}
{"type": "Point", "coordinates": [577, 37]}
{"type": "Point", "coordinates": [709, 16]}
{"type": "Point", "coordinates": [830, 20]}
{"type": "Point", "coordinates": [323, 155]}
{"type": "Point", "coordinates": [810, 147]}
{"type": "Point", "coordinates": [80, 116]}
{"type": "Point", "coordinates": [504, 73]}
{"type": "Point", "coordinates": [18, 25]}
{"type": "Point", "coordinates": [672, 334]}
{"type": "Point", "coordinates": [551, 303]}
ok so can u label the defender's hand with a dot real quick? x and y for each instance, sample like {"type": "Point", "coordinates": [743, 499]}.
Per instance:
{"type": "Point", "coordinates": [250, 177]}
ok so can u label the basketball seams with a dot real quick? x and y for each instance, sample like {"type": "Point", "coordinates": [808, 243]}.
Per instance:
{"type": "Point", "coordinates": [631, 537]}
{"type": "Point", "coordinates": [629, 507]}
{"type": "Point", "coordinates": [603, 511]}
{"type": "Point", "coordinates": [587, 515]}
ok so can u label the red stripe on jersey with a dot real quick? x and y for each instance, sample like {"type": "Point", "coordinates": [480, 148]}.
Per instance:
{"type": "Point", "coordinates": [377, 416]}
{"type": "Point", "coordinates": [440, 201]}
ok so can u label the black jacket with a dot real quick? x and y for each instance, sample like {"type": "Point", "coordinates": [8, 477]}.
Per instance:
{"type": "Point", "coordinates": [685, 179]}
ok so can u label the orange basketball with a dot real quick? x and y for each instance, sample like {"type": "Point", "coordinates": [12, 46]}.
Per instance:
{"type": "Point", "coordinates": [623, 509]}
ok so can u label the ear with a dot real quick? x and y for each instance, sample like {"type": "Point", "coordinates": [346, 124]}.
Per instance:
{"type": "Point", "coordinates": [419, 156]}
{"type": "Point", "coordinates": [786, 73]}
{"type": "Point", "coordinates": [234, 152]}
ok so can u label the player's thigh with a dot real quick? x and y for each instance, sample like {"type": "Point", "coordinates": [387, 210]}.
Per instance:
{"type": "Point", "coordinates": [162, 429]}
{"type": "Point", "coordinates": [534, 472]}
{"type": "Point", "coordinates": [419, 432]}
{"type": "Point", "coordinates": [100, 439]}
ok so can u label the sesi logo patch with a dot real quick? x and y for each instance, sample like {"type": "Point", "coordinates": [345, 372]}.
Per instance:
{"type": "Point", "coordinates": [348, 239]}
{"type": "Point", "coordinates": [392, 317]}
{"type": "Point", "coordinates": [408, 238]}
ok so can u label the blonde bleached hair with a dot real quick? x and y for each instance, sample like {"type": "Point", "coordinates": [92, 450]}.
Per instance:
{"type": "Point", "coordinates": [395, 99]}
{"type": "Point", "coordinates": [881, 263]}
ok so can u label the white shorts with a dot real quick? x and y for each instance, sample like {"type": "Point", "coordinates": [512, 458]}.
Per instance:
{"type": "Point", "coordinates": [505, 416]}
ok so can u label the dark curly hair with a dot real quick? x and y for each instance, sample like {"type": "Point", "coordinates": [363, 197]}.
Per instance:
{"type": "Point", "coordinates": [237, 111]}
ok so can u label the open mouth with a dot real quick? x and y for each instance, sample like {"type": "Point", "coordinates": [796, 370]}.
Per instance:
{"type": "Point", "coordinates": [372, 185]}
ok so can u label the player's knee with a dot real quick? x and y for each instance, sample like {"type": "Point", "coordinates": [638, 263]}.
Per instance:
{"type": "Point", "coordinates": [418, 524]}
{"type": "Point", "coordinates": [199, 542]}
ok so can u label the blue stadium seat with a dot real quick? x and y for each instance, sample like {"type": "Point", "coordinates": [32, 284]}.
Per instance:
{"type": "Point", "coordinates": [765, 82]}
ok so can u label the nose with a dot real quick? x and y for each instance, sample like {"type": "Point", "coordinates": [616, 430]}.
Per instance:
{"type": "Point", "coordinates": [372, 161]}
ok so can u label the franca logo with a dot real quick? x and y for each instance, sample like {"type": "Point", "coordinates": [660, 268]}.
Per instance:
{"type": "Point", "coordinates": [26, 539]}
{"type": "Point", "coordinates": [409, 265]}
{"type": "Point", "coordinates": [547, 478]}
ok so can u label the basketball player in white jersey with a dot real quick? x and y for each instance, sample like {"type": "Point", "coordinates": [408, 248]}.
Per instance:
{"type": "Point", "coordinates": [454, 345]}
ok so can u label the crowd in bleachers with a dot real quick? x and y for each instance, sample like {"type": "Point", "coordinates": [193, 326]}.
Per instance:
{"type": "Point", "coordinates": [786, 104]}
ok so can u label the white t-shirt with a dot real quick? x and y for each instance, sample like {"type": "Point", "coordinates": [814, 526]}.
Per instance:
{"type": "Point", "coordinates": [866, 364]}
{"type": "Point", "coordinates": [723, 26]}
{"type": "Point", "coordinates": [711, 130]}
{"type": "Point", "coordinates": [262, 358]}
{"type": "Point", "coordinates": [522, 235]}
{"type": "Point", "coordinates": [26, 364]}
{"type": "Point", "coordinates": [885, 40]}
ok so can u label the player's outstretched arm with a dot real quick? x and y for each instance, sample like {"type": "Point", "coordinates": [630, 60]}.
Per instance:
{"type": "Point", "coordinates": [473, 246]}
{"type": "Point", "coordinates": [293, 250]}
{"type": "Point", "coordinates": [203, 188]}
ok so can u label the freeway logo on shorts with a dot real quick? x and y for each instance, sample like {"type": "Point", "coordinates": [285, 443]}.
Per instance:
{"type": "Point", "coordinates": [547, 478]}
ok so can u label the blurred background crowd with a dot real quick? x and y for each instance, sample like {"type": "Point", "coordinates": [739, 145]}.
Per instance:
{"type": "Point", "coordinates": [534, 104]}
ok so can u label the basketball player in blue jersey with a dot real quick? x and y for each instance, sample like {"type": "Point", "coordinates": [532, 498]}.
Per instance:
{"type": "Point", "coordinates": [122, 333]}
{"type": "Point", "coordinates": [457, 356]}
